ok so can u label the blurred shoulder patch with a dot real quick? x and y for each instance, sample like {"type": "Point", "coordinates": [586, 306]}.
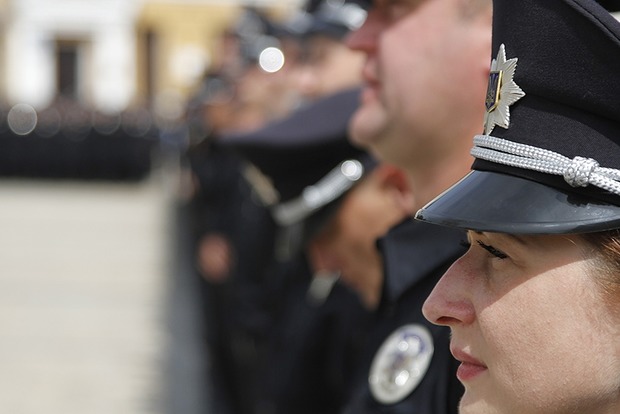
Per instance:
{"type": "Point", "coordinates": [401, 363]}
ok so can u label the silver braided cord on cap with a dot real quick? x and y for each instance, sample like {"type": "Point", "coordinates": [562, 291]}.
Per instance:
{"type": "Point", "coordinates": [578, 172]}
{"type": "Point", "coordinates": [315, 196]}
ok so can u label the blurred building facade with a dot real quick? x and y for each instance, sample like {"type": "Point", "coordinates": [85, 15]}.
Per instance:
{"type": "Point", "coordinates": [105, 62]}
{"type": "Point", "coordinates": [111, 54]}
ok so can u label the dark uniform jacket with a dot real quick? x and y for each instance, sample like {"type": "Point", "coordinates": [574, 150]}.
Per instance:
{"type": "Point", "coordinates": [313, 348]}
{"type": "Point", "coordinates": [416, 255]}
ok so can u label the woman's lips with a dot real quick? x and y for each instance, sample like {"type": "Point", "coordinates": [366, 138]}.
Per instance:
{"type": "Point", "coordinates": [470, 367]}
{"type": "Point", "coordinates": [467, 371]}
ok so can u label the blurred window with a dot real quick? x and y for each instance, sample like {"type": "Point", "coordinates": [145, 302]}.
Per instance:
{"type": "Point", "coordinates": [67, 59]}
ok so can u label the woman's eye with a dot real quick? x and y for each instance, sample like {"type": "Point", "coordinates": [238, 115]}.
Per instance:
{"type": "Point", "coordinates": [495, 252]}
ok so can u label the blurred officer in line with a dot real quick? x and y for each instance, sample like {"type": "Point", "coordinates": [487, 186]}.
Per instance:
{"type": "Point", "coordinates": [425, 61]}
{"type": "Point", "coordinates": [223, 221]}
{"type": "Point", "coordinates": [317, 323]}
{"type": "Point", "coordinates": [311, 335]}
{"type": "Point", "coordinates": [328, 65]}
{"type": "Point", "coordinates": [334, 202]}
{"type": "Point", "coordinates": [230, 228]}
{"type": "Point", "coordinates": [265, 82]}
{"type": "Point", "coordinates": [239, 309]}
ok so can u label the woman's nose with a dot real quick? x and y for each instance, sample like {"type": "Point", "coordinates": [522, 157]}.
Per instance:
{"type": "Point", "coordinates": [449, 303]}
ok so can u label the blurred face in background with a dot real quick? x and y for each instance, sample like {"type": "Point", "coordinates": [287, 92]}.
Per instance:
{"type": "Point", "coordinates": [347, 244]}
{"type": "Point", "coordinates": [219, 112]}
{"type": "Point", "coordinates": [329, 66]}
{"type": "Point", "coordinates": [263, 95]}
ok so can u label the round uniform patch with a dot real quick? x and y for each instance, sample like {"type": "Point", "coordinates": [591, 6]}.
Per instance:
{"type": "Point", "coordinates": [400, 363]}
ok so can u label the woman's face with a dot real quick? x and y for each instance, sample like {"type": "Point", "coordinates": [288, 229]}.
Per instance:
{"type": "Point", "coordinates": [530, 326]}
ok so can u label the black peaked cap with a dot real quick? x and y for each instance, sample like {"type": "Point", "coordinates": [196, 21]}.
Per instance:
{"type": "Point", "coordinates": [568, 66]}
{"type": "Point", "coordinates": [336, 19]}
{"type": "Point", "coordinates": [298, 151]}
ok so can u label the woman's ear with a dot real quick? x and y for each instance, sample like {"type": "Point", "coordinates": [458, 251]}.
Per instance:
{"type": "Point", "coordinates": [396, 183]}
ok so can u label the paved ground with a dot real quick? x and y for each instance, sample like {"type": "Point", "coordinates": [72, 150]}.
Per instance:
{"type": "Point", "coordinates": [93, 318]}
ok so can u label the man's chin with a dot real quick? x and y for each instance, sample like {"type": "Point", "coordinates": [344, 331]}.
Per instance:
{"type": "Point", "coordinates": [366, 125]}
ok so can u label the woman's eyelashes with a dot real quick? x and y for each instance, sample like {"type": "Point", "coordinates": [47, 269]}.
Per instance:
{"type": "Point", "coordinates": [495, 252]}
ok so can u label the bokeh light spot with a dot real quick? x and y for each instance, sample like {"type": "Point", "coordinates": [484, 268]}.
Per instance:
{"type": "Point", "coordinates": [271, 59]}
{"type": "Point", "coordinates": [22, 119]}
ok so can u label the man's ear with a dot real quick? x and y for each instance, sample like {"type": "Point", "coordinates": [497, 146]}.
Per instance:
{"type": "Point", "coordinates": [396, 183]}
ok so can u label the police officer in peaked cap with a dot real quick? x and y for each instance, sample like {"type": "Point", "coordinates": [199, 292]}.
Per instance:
{"type": "Point", "coordinates": [299, 151]}
{"type": "Point", "coordinates": [318, 323]}
{"type": "Point", "coordinates": [533, 304]}
{"type": "Point", "coordinates": [222, 222]}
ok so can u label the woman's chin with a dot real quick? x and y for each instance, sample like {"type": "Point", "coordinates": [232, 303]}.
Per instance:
{"type": "Point", "coordinates": [474, 404]}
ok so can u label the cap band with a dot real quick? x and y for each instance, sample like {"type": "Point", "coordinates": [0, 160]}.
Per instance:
{"type": "Point", "coordinates": [349, 15]}
{"type": "Point", "coordinates": [315, 196]}
{"type": "Point", "coordinates": [577, 172]}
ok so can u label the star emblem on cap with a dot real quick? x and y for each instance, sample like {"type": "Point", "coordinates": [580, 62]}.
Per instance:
{"type": "Point", "coordinates": [501, 92]}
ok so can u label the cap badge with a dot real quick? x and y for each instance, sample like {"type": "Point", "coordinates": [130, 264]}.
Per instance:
{"type": "Point", "coordinates": [501, 92]}
{"type": "Point", "coordinates": [400, 363]}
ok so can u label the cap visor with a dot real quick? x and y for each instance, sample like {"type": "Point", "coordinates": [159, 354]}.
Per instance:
{"type": "Point", "coordinates": [495, 202]}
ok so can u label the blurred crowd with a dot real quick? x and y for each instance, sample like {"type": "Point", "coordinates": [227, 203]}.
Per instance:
{"type": "Point", "coordinates": [67, 139]}
{"type": "Point", "coordinates": [269, 335]}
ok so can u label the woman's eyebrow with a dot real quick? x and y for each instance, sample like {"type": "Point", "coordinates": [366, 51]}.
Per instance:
{"type": "Point", "coordinates": [513, 237]}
